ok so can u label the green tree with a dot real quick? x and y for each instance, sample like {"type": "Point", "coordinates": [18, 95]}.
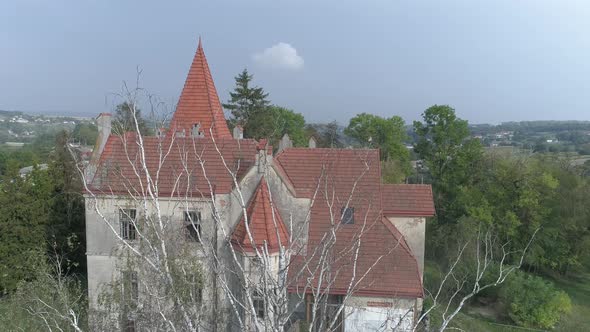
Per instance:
{"type": "Point", "coordinates": [51, 300]}
{"type": "Point", "coordinates": [450, 155]}
{"type": "Point", "coordinates": [534, 302]}
{"type": "Point", "coordinates": [66, 231]}
{"type": "Point", "coordinates": [124, 119]}
{"type": "Point", "coordinates": [85, 133]}
{"type": "Point", "coordinates": [245, 103]}
{"type": "Point", "coordinates": [274, 121]}
{"type": "Point", "coordinates": [387, 134]}
{"type": "Point", "coordinates": [326, 135]}
{"type": "Point", "coordinates": [23, 219]}
{"type": "Point", "coordinates": [291, 123]}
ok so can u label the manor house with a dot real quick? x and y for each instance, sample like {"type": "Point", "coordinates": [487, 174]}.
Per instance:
{"type": "Point", "coordinates": [321, 216]}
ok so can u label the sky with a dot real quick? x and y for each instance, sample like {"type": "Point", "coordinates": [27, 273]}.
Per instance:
{"type": "Point", "coordinates": [493, 61]}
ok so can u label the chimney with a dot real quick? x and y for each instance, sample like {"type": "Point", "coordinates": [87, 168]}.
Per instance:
{"type": "Point", "coordinates": [285, 143]}
{"type": "Point", "coordinates": [262, 149]}
{"type": "Point", "coordinates": [312, 142]}
{"type": "Point", "coordinates": [238, 132]}
{"type": "Point", "coordinates": [103, 122]}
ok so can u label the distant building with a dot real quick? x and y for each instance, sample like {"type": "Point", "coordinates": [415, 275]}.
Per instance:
{"type": "Point", "coordinates": [23, 172]}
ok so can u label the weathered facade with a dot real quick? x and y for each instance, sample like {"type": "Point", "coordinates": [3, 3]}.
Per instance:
{"type": "Point", "coordinates": [319, 219]}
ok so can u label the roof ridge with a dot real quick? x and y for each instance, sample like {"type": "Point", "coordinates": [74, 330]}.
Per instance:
{"type": "Point", "coordinates": [303, 148]}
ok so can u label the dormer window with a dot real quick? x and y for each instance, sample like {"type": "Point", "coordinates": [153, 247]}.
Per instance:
{"type": "Point", "coordinates": [196, 130]}
{"type": "Point", "coordinates": [347, 215]}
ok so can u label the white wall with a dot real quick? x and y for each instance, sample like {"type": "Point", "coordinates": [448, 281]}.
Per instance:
{"type": "Point", "coordinates": [378, 314]}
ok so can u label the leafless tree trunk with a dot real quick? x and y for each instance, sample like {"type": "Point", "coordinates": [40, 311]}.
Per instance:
{"type": "Point", "coordinates": [493, 260]}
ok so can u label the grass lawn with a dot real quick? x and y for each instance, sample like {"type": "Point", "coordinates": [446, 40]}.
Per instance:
{"type": "Point", "coordinates": [578, 288]}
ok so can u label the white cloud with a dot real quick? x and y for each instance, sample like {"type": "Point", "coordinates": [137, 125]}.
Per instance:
{"type": "Point", "coordinates": [281, 55]}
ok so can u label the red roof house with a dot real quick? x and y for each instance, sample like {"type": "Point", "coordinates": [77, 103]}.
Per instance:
{"type": "Point", "coordinates": [348, 209]}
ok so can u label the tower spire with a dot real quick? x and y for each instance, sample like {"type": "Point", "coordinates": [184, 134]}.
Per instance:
{"type": "Point", "coordinates": [199, 110]}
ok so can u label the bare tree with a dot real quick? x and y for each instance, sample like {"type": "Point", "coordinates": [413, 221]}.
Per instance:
{"type": "Point", "coordinates": [491, 264]}
{"type": "Point", "coordinates": [53, 300]}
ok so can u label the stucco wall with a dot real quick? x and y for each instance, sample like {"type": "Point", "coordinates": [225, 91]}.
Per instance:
{"type": "Point", "coordinates": [294, 211]}
{"type": "Point", "coordinates": [378, 314]}
{"type": "Point", "coordinates": [102, 222]}
{"type": "Point", "coordinates": [414, 231]}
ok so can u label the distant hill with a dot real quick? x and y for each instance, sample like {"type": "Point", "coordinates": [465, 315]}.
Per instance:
{"type": "Point", "coordinates": [9, 114]}
{"type": "Point", "coordinates": [45, 113]}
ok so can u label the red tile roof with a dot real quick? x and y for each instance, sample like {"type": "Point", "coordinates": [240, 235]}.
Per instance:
{"type": "Point", "coordinates": [199, 102]}
{"type": "Point", "coordinates": [264, 222]}
{"type": "Point", "coordinates": [335, 178]}
{"type": "Point", "coordinates": [410, 200]}
{"type": "Point", "coordinates": [174, 165]}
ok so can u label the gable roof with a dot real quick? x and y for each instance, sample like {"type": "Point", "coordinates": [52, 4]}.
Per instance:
{"type": "Point", "coordinates": [336, 178]}
{"type": "Point", "coordinates": [409, 200]}
{"type": "Point", "coordinates": [264, 222]}
{"type": "Point", "coordinates": [199, 102]}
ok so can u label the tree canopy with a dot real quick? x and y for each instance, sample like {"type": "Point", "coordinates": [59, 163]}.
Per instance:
{"type": "Point", "coordinates": [246, 102]}
{"type": "Point", "coordinates": [449, 153]}
{"type": "Point", "coordinates": [387, 134]}
{"type": "Point", "coordinates": [125, 119]}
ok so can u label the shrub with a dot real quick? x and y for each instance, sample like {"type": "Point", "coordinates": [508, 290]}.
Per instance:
{"type": "Point", "coordinates": [533, 301]}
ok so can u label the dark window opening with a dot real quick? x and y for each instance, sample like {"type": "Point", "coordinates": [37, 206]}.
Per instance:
{"type": "Point", "coordinates": [195, 288]}
{"type": "Point", "coordinates": [192, 224]}
{"type": "Point", "coordinates": [259, 304]}
{"type": "Point", "coordinates": [128, 224]}
{"type": "Point", "coordinates": [130, 289]}
{"type": "Point", "coordinates": [347, 215]}
{"type": "Point", "coordinates": [129, 325]}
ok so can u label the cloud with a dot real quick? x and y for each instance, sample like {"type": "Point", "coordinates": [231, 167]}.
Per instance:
{"type": "Point", "coordinates": [281, 55]}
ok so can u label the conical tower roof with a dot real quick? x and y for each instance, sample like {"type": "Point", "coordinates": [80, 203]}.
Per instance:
{"type": "Point", "coordinates": [199, 102]}
{"type": "Point", "coordinates": [265, 224]}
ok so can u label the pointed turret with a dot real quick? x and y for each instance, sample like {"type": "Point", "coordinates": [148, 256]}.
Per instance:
{"type": "Point", "coordinates": [199, 112]}
{"type": "Point", "coordinates": [265, 224]}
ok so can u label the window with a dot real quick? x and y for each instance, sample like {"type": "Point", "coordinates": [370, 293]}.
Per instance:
{"type": "Point", "coordinates": [196, 130]}
{"type": "Point", "coordinates": [130, 288]}
{"type": "Point", "coordinates": [192, 224]}
{"type": "Point", "coordinates": [258, 301]}
{"type": "Point", "coordinates": [195, 288]}
{"type": "Point", "coordinates": [347, 215]}
{"type": "Point", "coordinates": [127, 219]}
{"type": "Point", "coordinates": [129, 325]}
